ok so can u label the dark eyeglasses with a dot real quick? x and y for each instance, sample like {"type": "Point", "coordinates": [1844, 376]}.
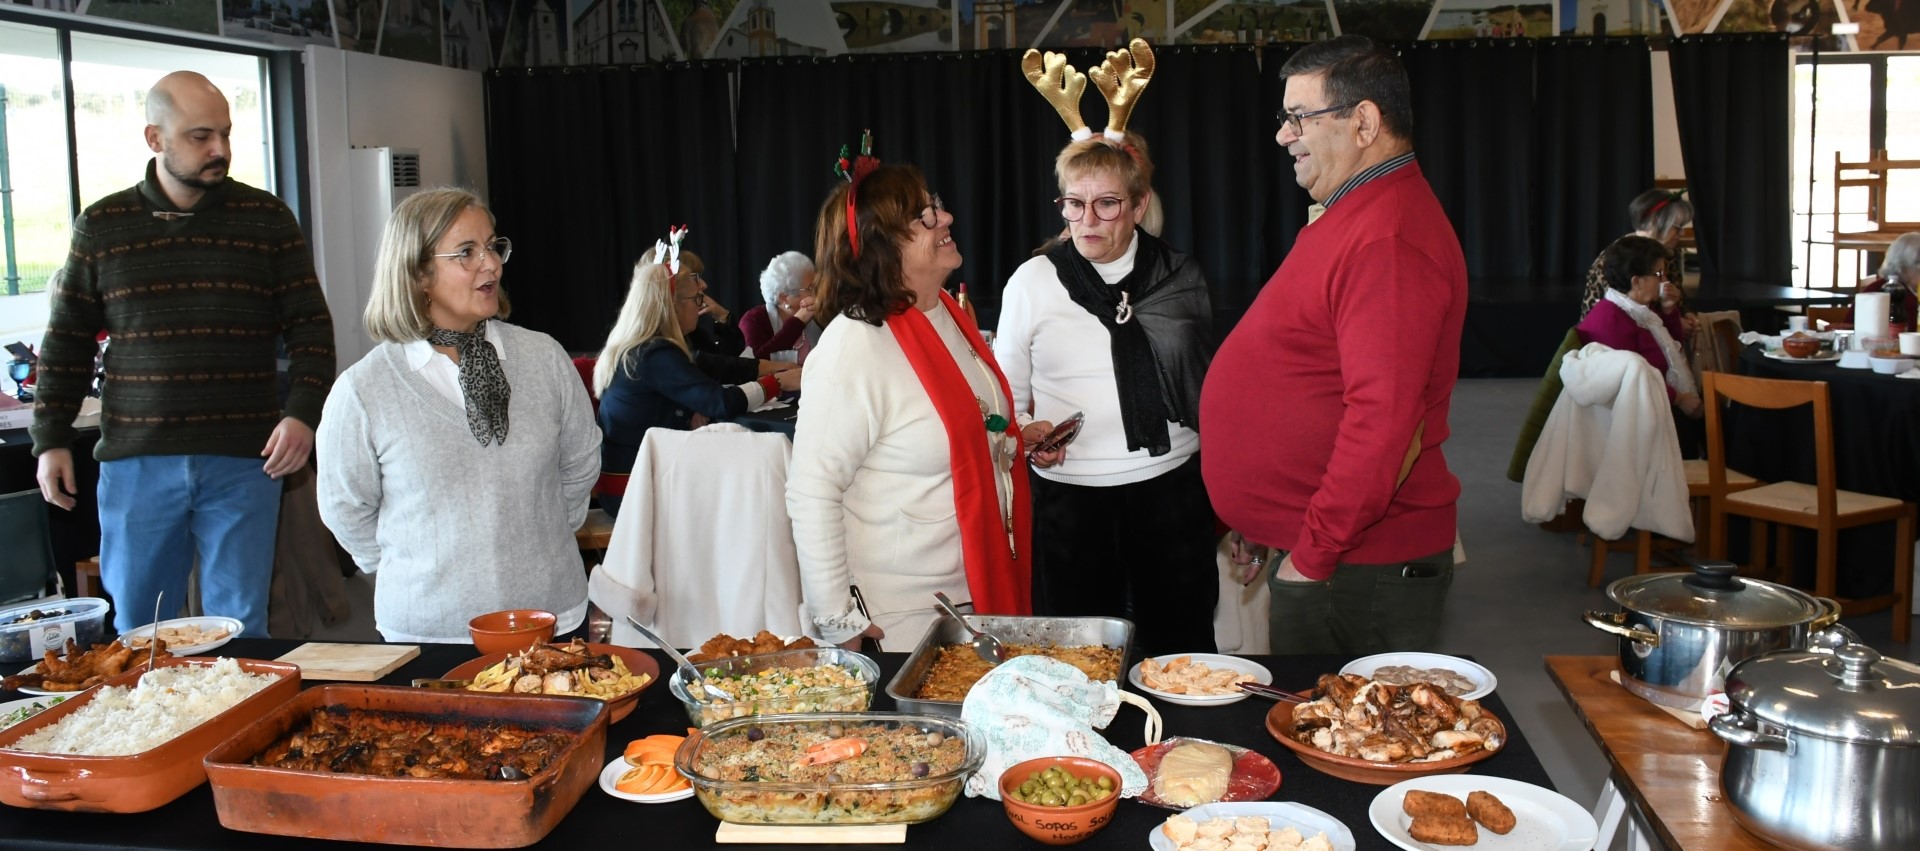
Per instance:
{"type": "Point", "coordinates": [930, 214]}
{"type": "Point", "coordinates": [469, 255]}
{"type": "Point", "coordinates": [1105, 208]}
{"type": "Point", "coordinates": [1297, 118]}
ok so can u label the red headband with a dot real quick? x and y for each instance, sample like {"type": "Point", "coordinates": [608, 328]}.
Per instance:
{"type": "Point", "coordinates": [854, 172]}
{"type": "Point", "coordinates": [1669, 199]}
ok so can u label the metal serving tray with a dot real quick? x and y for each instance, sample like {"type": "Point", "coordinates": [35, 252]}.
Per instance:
{"type": "Point", "coordinates": [1055, 631]}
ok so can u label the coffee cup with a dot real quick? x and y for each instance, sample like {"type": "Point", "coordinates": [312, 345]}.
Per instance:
{"type": "Point", "coordinates": [1910, 343]}
{"type": "Point", "coordinates": [1796, 323]}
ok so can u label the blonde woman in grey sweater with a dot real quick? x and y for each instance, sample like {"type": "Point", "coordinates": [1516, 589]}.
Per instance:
{"type": "Point", "coordinates": [456, 458]}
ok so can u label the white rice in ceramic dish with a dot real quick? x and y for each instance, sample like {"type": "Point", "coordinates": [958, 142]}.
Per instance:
{"type": "Point", "coordinates": [166, 703]}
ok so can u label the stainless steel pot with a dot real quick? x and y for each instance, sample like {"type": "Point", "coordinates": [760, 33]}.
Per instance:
{"type": "Point", "coordinates": [1681, 633]}
{"type": "Point", "coordinates": [1823, 752]}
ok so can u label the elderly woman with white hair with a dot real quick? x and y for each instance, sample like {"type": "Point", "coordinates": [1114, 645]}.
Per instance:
{"type": "Point", "coordinates": [456, 458]}
{"type": "Point", "coordinates": [1899, 273]}
{"type": "Point", "coordinates": [787, 285]}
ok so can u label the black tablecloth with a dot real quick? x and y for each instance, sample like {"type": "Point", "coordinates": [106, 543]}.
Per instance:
{"type": "Point", "coordinates": [1876, 450]}
{"type": "Point", "coordinates": [601, 821]}
{"type": "Point", "coordinates": [775, 421]}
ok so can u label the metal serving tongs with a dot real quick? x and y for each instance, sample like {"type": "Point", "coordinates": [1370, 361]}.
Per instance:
{"type": "Point", "coordinates": [1273, 693]}
{"type": "Point", "coordinates": [985, 646]}
{"type": "Point", "coordinates": [689, 675]}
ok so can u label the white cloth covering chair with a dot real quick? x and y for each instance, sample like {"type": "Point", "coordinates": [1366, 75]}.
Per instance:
{"type": "Point", "coordinates": [702, 544]}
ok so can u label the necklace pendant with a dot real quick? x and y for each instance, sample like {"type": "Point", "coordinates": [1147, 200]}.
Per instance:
{"type": "Point", "coordinates": [996, 423]}
{"type": "Point", "coordinates": [1125, 311]}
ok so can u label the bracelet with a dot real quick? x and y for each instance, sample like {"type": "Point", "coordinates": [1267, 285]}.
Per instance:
{"type": "Point", "coordinates": [770, 385]}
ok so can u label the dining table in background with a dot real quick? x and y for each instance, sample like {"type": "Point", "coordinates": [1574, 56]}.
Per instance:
{"type": "Point", "coordinates": [602, 821]}
{"type": "Point", "coordinates": [1876, 450]}
{"type": "Point", "coordinates": [1668, 771]}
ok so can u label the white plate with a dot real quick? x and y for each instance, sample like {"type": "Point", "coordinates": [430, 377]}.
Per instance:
{"type": "Point", "coordinates": [1827, 358]}
{"type": "Point", "coordinates": [1215, 661]}
{"type": "Point", "coordinates": [10, 706]}
{"type": "Point", "coordinates": [1546, 820]}
{"type": "Point", "coordinates": [40, 692]}
{"type": "Point", "coordinates": [1279, 815]}
{"type": "Point", "coordinates": [618, 766]}
{"type": "Point", "coordinates": [1481, 677]}
{"type": "Point", "coordinates": [209, 623]}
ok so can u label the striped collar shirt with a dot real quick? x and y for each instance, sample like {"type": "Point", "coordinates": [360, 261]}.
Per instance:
{"type": "Point", "coordinates": [1374, 172]}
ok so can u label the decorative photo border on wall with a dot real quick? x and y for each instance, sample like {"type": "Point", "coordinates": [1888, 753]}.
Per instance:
{"type": "Point", "coordinates": [1492, 19]}
{"type": "Point", "coordinates": [1259, 22]}
{"type": "Point", "coordinates": [285, 22]}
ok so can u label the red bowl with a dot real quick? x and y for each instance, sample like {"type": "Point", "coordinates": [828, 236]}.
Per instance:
{"type": "Point", "coordinates": [513, 629]}
{"type": "Point", "coordinates": [1060, 825]}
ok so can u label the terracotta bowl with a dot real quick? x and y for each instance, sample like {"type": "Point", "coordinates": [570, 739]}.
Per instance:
{"type": "Point", "coordinates": [1800, 347]}
{"type": "Point", "coordinates": [620, 707]}
{"type": "Point", "coordinates": [1280, 720]}
{"type": "Point", "coordinates": [1059, 825]}
{"type": "Point", "coordinates": [513, 629]}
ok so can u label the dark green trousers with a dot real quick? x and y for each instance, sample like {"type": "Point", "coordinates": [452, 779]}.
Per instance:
{"type": "Point", "coordinates": [1362, 608]}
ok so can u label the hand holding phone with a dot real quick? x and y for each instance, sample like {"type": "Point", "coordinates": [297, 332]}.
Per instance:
{"type": "Point", "coordinates": [1062, 434]}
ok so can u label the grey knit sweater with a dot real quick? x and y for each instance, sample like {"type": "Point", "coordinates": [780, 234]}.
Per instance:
{"type": "Point", "coordinates": [456, 529]}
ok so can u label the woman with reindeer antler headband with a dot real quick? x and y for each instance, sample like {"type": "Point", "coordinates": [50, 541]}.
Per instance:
{"type": "Point", "coordinates": [908, 475]}
{"type": "Point", "coordinates": [1114, 323]}
{"type": "Point", "coordinates": [646, 376]}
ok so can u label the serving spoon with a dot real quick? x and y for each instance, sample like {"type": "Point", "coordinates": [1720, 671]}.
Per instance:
{"type": "Point", "coordinates": [688, 673]}
{"type": "Point", "coordinates": [985, 646]}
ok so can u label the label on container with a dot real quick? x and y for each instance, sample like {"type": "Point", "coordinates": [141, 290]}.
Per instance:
{"type": "Point", "coordinates": [50, 637]}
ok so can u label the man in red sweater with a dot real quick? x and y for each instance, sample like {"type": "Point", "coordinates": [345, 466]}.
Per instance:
{"type": "Point", "coordinates": [1356, 338]}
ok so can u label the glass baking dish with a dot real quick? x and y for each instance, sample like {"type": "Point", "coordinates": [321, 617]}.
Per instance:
{"type": "Point", "coordinates": [744, 675]}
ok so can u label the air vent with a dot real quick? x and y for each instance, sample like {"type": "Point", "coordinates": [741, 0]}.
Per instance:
{"type": "Point", "coordinates": [406, 169]}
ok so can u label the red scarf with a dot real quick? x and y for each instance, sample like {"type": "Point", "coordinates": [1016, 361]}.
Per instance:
{"type": "Point", "coordinates": [1001, 584]}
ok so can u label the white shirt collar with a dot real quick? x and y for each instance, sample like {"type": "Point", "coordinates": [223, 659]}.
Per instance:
{"type": "Point", "coordinates": [420, 352]}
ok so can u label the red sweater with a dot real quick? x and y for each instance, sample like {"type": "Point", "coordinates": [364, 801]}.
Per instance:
{"type": "Point", "coordinates": [1313, 399]}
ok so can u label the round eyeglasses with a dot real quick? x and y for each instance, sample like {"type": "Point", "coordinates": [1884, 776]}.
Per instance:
{"type": "Point", "coordinates": [930, 214]}
{"type": "Point", "coordinates": [469, 255]}
{"type": "Point", "coordinates": [1105, 208]}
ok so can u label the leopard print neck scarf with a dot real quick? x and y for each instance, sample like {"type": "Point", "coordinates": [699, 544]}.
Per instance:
{"type": "Point", "coordinates": [483, 384]}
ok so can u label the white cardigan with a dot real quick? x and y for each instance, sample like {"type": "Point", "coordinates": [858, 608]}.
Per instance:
{"type": "Point", "coordinates": [870, 491]}
{"type": "Point", "coordinates": [1610, 439]}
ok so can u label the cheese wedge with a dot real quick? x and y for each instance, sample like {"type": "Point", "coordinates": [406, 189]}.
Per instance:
{"type": "Point", "coordinates": [1193, 774]}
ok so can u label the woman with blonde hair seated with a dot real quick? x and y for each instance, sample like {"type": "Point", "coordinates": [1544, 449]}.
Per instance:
{"type": "Point", "coordinates": [456, 458]}
{"type": "Point", "coordinates": [908, 475]}
{"type": "Point", "coordinates": [646, 377]}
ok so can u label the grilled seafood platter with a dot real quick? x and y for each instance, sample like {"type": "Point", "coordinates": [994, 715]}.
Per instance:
{"type": "Point", "coordinates": [389, 744]}
{"type": "Point", "coordinates": [80, 671]}
{"type": "Point", "coordinates": [1353, 716]}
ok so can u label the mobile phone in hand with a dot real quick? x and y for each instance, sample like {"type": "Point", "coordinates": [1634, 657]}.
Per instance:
{"type": "Point", "coordinates": [1062, 434]}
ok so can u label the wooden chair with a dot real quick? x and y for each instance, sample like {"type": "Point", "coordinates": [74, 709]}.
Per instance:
{"type": "Point", "coordinates": [593, 536]}
{"type": "Point", "coordinates": [1699, 497]}
{"type": "Point", "coordinates": [1870, 174]}
{"type": "Point", "coordinates": [1821, 507]}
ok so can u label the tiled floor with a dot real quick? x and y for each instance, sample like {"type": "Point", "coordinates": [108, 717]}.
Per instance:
{"type": "Point", "coordinates": [1518, 598]}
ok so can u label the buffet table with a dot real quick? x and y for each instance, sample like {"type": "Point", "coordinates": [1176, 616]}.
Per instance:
{"type": "Point", "coordinates": [1669, 771]}
{"type": "Point", "coordinates": [603, 821]}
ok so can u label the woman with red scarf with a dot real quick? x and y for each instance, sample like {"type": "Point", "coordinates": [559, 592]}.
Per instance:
{"type": "Point", "coordinates": [908, 475]}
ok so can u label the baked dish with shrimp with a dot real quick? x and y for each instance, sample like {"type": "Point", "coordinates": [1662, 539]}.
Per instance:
{"type": "Point", "coordinates": [831, 768]}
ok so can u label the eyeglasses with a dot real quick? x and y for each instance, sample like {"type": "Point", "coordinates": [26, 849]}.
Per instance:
{"type": "Point", "coordinates": [469, 256]}
{"type": "Point", "coordinates": [1105, 208]}
{"type": "Point", "coordinates": [930, 214]}
{"type": "Point", "coordinates": [1297, 118]}
{"type": "Point", "coordinates": [698, 299]}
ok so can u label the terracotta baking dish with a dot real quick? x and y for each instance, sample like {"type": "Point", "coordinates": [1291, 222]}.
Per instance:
{"type": "Point", "coordinates": [138, 782]}
{"type": "Point", "coordinates": [409, 811]}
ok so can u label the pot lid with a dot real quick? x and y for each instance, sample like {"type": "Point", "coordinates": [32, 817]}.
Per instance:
{"type": "Point", "coordinates": [1851, 695]}
{"type": "Point", "coordinates": [1713, 596]}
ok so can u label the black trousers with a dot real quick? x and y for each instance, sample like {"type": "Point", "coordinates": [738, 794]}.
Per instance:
{"type": "Point", "coordinates": [1143, 551]}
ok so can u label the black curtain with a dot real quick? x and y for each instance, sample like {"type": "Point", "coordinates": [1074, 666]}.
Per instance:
{"type": "Point", "coordinates": [589, 166]}
{"type": "Point", "coordinates": [1593, 144]}
{"type": "Point", "coordinates": [987, 141]}
{"type": "Point", "coordinates": [1286, 202]}
{"type": "Point", "coordinates": [1473, 119]}
{"type": "Point", "coordinates": [1730, 94]}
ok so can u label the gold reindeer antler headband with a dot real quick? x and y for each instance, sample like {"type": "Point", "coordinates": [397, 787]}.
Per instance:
{"type": "Point", "coordinates": [1122, 79]}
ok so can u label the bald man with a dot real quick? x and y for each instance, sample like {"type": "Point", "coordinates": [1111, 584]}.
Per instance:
{"type": "Point", "coordinates": [196, 279]}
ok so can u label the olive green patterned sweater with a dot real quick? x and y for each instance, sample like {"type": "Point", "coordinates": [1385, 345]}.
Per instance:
{"type": "Point", "coordinates": [193, 302]}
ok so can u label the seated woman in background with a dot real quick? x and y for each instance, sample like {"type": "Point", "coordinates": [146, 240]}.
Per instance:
{"type": "Point", "coordinates": [1900, 273]}
{"type": "Point", "coordinates": [646, 378]}
{"type": "Point", "coordinates": [1659, 215]}
{"type": "Point", "coordinates": [908, 475]}
{"type": "Point", "coordinates": [787, 285]}
{"type": "Point", "coordinates": [1640, 313]}
{"type": "Point", "coordinates": [457, 456]}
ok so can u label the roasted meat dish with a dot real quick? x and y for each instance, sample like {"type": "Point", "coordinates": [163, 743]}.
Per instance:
{"type": "Point", "coordinates": [724, 646]}
{"type": "Point", "coordinates": [387, 744]}
{"type": "Point", "coordinates": [81, 671]}
{"type": "Point", "coordinates": [1380, 722]}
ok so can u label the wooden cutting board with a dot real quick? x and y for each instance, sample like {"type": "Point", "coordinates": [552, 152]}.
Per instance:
{"type": "Point", "coordinates": [359, 663]}
{"type": "Point", "coordinates": [785, 834]}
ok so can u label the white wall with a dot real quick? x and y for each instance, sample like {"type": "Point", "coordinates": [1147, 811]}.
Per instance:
{"type": "Point", "coordinates": [359, 100]}
{"type": "Point", "coordinates": [1666, 127]}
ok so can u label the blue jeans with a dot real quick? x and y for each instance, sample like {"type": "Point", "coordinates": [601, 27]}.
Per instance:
{"type": "Point", "coordinates": [158, 511]}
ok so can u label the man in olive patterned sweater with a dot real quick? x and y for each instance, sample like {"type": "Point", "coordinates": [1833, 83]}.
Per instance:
{"type": "Point", "coordinates": [195, 277]}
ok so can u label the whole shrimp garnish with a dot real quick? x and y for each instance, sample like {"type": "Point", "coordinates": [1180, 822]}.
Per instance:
{"type": "Point", "coordinates": [834, 750]}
